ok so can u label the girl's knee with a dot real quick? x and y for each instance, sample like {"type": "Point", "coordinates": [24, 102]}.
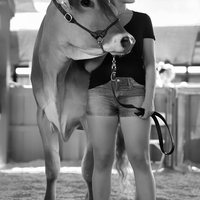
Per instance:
{"type": "Point", "coordinates": [103, 162]}
{"type": "Point", "coordinates": [140, 161]}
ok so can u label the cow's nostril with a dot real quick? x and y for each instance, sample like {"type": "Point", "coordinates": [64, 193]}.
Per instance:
{"type": "Point", "coordinates": [125, 42]}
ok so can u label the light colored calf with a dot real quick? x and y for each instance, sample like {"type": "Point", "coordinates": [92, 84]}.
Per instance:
{"type": "Point", "coordinates": [71, 32]}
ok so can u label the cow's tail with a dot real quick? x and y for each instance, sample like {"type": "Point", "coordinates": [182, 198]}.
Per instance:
{"type": "Point", "coordinates": [121, 161]}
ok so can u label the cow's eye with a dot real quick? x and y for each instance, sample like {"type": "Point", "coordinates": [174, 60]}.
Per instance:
{"type": "Point", "coordinates": [86, 3]}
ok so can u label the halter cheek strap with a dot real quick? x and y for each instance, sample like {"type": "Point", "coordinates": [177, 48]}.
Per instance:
{"type": "Point", "coordinates": [97, 35]}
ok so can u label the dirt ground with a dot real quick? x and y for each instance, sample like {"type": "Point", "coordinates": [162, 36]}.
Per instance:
{"type": "Point", "coordinates": [26, 181]}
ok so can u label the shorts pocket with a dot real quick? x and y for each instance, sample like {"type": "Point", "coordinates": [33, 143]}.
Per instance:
{"type": "Point", "coordinates": [133, 84]}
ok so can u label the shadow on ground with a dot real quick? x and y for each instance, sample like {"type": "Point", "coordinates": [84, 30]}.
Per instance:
{"type": "Point", "coordinates": [22, 185]}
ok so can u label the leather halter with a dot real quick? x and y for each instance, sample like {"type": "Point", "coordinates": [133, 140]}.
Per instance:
{"type": "Point", "coordinates": [141, 113]}
{"type": "Point", "coordinates": [97, 35]}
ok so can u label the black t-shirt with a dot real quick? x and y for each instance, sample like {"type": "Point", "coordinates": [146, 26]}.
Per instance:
{"type": "Point", "coordinates": [129, 65]}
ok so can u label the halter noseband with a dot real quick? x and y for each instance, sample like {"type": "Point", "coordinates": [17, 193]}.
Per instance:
{"type": "Point", "coordinates": [97, 35]}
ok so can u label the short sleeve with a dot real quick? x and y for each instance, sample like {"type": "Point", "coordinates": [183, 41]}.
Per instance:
{"type": "Point", "coordinates": [148, 29]}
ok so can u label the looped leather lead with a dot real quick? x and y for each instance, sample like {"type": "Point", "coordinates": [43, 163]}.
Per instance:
{"type": "Point", "coordinates": [160, 138]}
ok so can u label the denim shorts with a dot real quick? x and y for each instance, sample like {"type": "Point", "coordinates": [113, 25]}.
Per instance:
{"type": "Point", "coordinates": [101, 101]}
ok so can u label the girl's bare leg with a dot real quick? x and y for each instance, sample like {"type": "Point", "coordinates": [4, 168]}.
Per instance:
{"type": "Point", "coordinates": [136, 134]}
{"type": "Point", "coordinates": [102, 131]}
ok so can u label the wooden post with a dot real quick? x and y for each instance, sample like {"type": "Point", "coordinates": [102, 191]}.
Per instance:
{"type": "Point", "coordinates": [5, 16]}
{"type": "Point", "coordinates": [182, 103]}
{"type": "Point", "coordinates": [172, 123]}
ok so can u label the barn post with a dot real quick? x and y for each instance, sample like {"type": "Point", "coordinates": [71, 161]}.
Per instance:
{"type": "Point", "coordinates": [6, 13]}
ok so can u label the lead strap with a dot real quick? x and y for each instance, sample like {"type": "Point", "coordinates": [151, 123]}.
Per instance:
{"type": "Point", "coordinates": [113, 69]}
{"type": "Point", "coordinates": [141, 112]}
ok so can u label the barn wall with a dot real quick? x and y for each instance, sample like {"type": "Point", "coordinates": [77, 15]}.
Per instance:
{"type": "Point", "coordinates": [188, 126]}
{"type": "Point", "coordinates": [25, 141]}
{"type": "Point", "coordinates": [181, 107]}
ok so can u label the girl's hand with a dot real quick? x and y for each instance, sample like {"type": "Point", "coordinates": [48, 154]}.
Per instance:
{"type": "Point", "coordinates": [149, 109]}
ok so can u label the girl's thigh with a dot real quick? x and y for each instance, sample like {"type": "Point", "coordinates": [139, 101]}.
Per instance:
{"type": "Point", "coordinates": [102, 131]}
{"type": "Point", "coordinates": [136, 133]}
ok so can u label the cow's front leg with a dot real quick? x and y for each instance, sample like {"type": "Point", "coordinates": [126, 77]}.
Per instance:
{"type": "Point", "coordinates": [50, 139]}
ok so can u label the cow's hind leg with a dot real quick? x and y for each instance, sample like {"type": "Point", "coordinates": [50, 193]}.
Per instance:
{"type": "Point", "coordinates": [50, 139]}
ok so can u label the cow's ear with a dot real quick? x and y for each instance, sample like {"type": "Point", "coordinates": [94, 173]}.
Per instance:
{"type": "Point", "coordinates": [65, 3]}
{"type": "Point", "coordinates": [68, 3]}
{"type": "Point", "coordinates": [114, 9]}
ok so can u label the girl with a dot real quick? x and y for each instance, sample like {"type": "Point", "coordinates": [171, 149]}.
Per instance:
{"type": "Point", "coordinates": [134, 84]}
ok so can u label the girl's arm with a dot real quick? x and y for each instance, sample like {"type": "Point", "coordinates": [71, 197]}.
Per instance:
{"type": "Point", "coordinates": [149, 63]}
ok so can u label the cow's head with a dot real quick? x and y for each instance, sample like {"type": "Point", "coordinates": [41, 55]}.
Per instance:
{"type": "Point", "coordinates": [91, 28]}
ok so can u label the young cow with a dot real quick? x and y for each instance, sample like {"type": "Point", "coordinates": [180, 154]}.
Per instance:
{"type": "Point", "coordinates": [71, 32]}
